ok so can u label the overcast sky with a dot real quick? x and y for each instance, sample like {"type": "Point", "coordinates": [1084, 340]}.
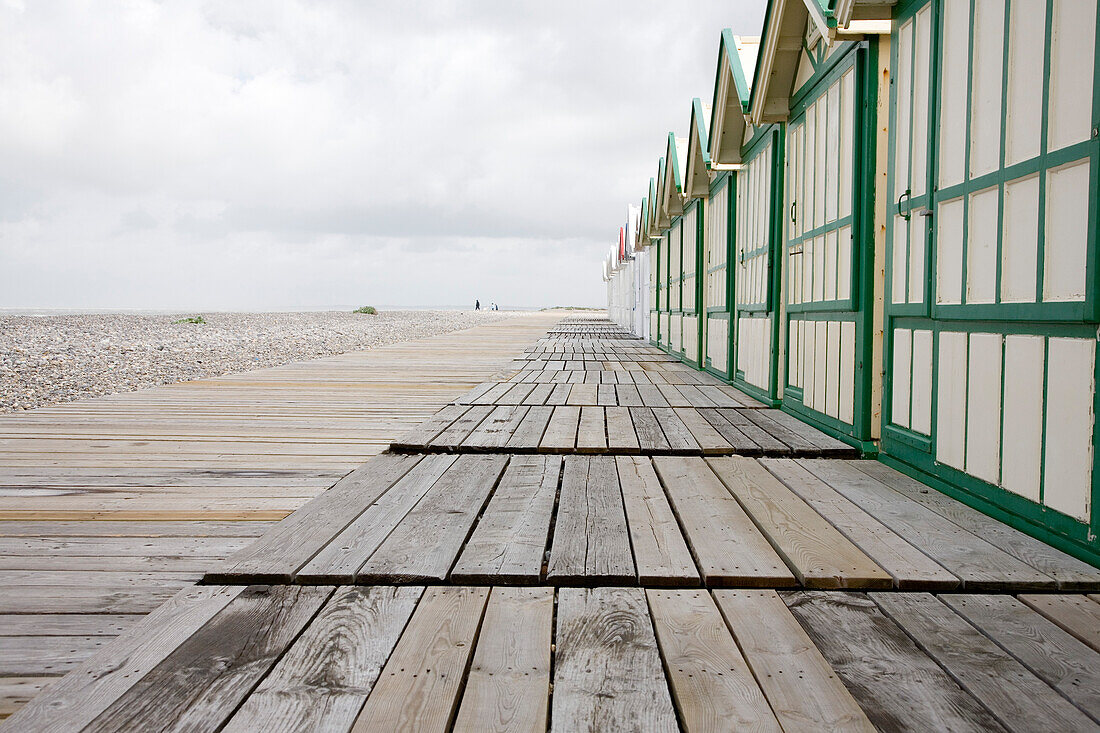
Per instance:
{"type": "Point", "coordinates": [267, 155]}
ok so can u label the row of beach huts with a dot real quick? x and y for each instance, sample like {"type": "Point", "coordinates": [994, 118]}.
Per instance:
{"type": "Point", "coordinates": [884, 221]}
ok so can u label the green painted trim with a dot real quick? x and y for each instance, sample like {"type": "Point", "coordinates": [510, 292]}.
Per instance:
{"type": "Point", "coordinates": [1076, 543]}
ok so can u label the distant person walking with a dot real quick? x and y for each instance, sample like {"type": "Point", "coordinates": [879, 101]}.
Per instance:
{"type": "Point", "coordinates": [477, 305]}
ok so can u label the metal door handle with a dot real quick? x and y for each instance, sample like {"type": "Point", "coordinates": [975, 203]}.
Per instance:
{"type": "Point", "coordinates": [906, 214]}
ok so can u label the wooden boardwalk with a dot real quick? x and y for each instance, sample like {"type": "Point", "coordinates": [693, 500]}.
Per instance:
{"type": "Point", "coordinates": [109, 506]}
{"type": "Point", "coordinates": [467, 583]}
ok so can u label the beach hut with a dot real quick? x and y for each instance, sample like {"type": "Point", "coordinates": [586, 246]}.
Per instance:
{"type": "Point", "coordinates": [991, 305]}
{"type": "Point", "coordinates": [681, 224]}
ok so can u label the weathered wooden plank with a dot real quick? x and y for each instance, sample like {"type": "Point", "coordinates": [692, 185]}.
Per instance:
{"type": "Point", "coordinates": [727, 546]}
{"type": "Point", "coordinates": [508, 685]}
{"type": "Point", "coordinates": [516, 395]}
{"type": "Point", "coordinates": [496, 430]}
{"type": "Point", "coordinates": [90, 598]}
{"type": "Point", "coordinates": [1048, 651]}
{"type": "Point", "coordinates": [418, 688]}
{"type": "Point", "coordinates": [651, 395]}
{"type": "Point", "coordinates": [621, 437]}
{"type": "Point", "coordinates": [78, 698]}
{"type": "Point", "coordinates": [712, 685]}
{"type": "Point", "coordinates": [202, 681]}
{"type": "Point", "coordinates": [717, 397]}
{"type": "Point", "coordinates": [561, 431]}
{"type": "Point", "coordinates": [660, 552]}
{"type": "Point", "coordinates": [583, 394]}
{"type": "Point", "coordinates": [694, 397]}
{"type": "Point", "coordinates": [798, 442]}
{"type": "Point", "coordinates": [710, 441]}
{"type": "Point", "coordinates": [627, 395]}
{"type": "Point", "coordinates": [538, 395]}
{"type": "Point", "coordinates": [739, 443]}
{"type": "Point", "coordinates": [292, 542]}
{"type": "Point", "coordinates": [322, 681]}
{"type": "Point", "coordinates": [607, 672]}
{"type": "Point", "coordinates": [340, 559]}
{"type": "Point", "coordinates": [820, 556]}
{"type": "Point", "coordinates": [508, 543]}
{"type": "Point", "coordinates": [469, 397]}
{"type": "Point", "coordinates": [592, 431]}
{"type": "Point", "coordinates": [768, 443]}
{"type": "Point", "coordinates": [1078, 615]}
{"type": "Point", "coordinates": [898, 686]}
{"type": "Point", "coordinates": [461, 428]}
{"type": "Point", "coordinates": [46, 655]}
{"type": "Point", "coordinates": [651, 439]}
{"type": "Point", "coordinates": [909, 567]}
{"type": "Point", "coordinates": [680, 439]}
{"type": "Point", "coordinates": [591, 542]}
{"type": "Point", "coordinates": [801, 687]}
{"type": "Point", "coordinates": [423, 433]}
{"type": "Point", "coordinates": [67, 624]}
{"type": "Point", "coordinates": [491, 395]}
{"type": "Point", "coordinates": [605, 394]}
{"type": "Point", "coordinates": [977, 563]}
{"type": "Point", "coordinates": [529, 433]}
{"type": "Point", "coordinates": [673, 396]}
{"type": "Point", "coordinates": [1019, 700]}
{"type": "Point", "coordinates": [826, 444]}
{"type": "Point", "coordinates": [560, 393]}
{"type": "Point", "coordinates": [423, 547]}
{"type": "Point", "coordinates": [1071, 573]}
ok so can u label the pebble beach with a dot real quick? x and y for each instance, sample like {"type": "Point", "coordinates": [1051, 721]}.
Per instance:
{"type": "Point", "coordinates": [46, 360]}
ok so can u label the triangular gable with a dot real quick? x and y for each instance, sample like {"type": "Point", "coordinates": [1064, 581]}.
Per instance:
{"type": "Point", "coordinates": [641, 232]}
{"type": "Point", "coordinates": [660, 217]}
{"type": "Point", "coordinates": [651, 211]}
{"type": "Point", "coordinates": [732, 86]}
{"type": "Point", "coordinates": [780, 49]}
{"type": "Point", "coordinates": [843, 19]}
{"type": "Point", "coordinates": [673, 188]}
{"type": "Point", "coordinates": [696, 172]}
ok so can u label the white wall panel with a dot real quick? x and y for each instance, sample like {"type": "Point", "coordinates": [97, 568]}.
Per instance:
{"type": "Point", "coordinates": [954, 64]}
{"type": "Point", "coordinates": [985, 99]}
{"type": "Point", "coordinates": [1067, 472]}
{"type": "Point", "coordinates": [1023, 415]}
{"type": "Point", "coordinates": [1019, 240]}
{"type": "Point", "coordinates": [922, 48]}
{"type": "Point", "coordinates": [951, 399]}
{"type": "Point", "coordinates": [718, 343]}
{"type": "Point", "coordinates": [691, 337]}
{"type": "Point", "coordinates": [981, 247]}
{"type": "Point", "coordinates": [1073, 31]}
{"type": "Point", "coordinates": [1023, 123]}
{"type": "Point", "coordinates": [949, 251]}
{"type": "Point", "coordinates": [902, 375]}
{"type": "Point", "coordinates": [903, 76]}
{"type": "Point", "coordinates": [920, 413]}
{"type": "Point", "coordinates": [983, 413]}
{"type": "Point", "coordinates": [1066, 232]}
{"type": "Point", "coordinates": [847, 371]}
